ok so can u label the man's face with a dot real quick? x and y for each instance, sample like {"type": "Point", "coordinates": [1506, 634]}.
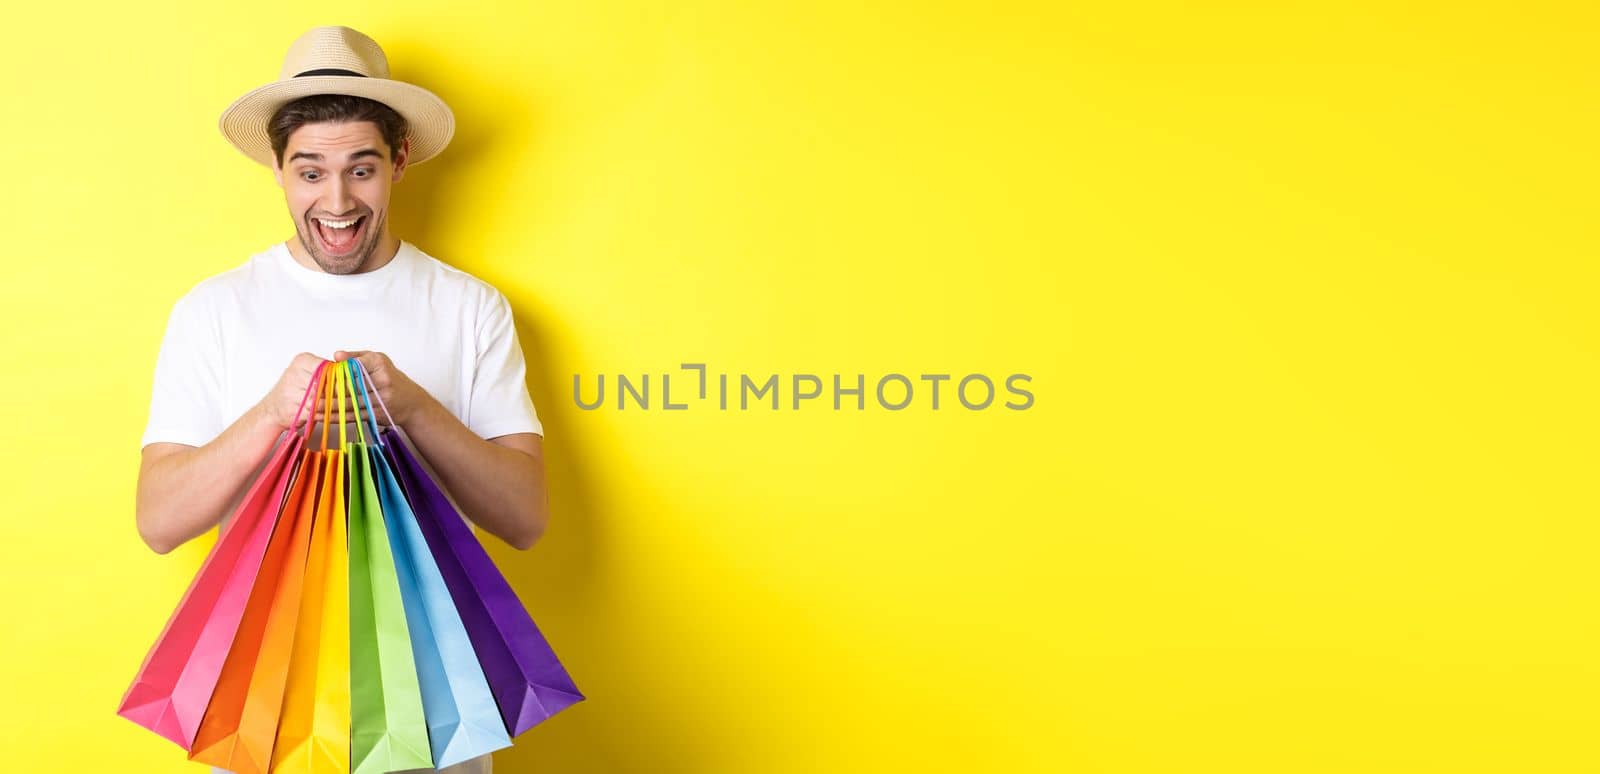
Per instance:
{"type": "Point", "coordinates": [333, 174]}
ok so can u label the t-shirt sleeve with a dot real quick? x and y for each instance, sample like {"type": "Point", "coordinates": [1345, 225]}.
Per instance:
{"type": "Point", "coordinates": [500, 403]}
{"type": "Point", "coordinates": [186, 396]}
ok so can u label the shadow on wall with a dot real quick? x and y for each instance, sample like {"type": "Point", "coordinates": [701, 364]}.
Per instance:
{"type": "Point", "coordinates": [620, 726]}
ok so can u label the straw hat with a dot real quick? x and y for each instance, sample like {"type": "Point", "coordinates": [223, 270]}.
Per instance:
{"type": "Point", "coordinates": [337, 60]}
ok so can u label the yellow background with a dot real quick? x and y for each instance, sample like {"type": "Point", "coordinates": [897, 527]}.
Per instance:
{"type": "Point", "coordinates": [1307, 293]}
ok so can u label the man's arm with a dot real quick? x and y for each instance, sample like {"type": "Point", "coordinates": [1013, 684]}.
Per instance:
{"type": "Point", "coordinates": [499, 482]}
{"type": "Point", "coordinates": [185, 490]}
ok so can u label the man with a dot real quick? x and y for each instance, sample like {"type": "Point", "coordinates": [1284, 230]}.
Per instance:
{"type": "Point", "coordinates": [439, 344]}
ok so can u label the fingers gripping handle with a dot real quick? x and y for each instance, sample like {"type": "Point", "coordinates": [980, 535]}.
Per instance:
{"type": "Point", "coordinates": [361, 378]}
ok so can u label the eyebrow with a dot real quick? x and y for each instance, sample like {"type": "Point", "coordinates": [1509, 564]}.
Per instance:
{"type": "Point", "coordinates": [364, 152]}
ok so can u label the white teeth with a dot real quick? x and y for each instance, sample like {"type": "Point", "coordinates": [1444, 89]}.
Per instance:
{"type": "Point", "coordinates": [337, 223]}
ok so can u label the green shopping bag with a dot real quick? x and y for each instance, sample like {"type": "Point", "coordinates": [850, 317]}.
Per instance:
{"type": "Point", "coordinates": [387, 729]}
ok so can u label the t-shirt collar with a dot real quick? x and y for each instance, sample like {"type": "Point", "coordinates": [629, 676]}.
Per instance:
{"type": "Point", "coordinates": [342, 282]}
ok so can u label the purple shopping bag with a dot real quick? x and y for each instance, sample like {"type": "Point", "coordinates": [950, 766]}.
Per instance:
{"type": "Point", "coordinates": [526, 678]}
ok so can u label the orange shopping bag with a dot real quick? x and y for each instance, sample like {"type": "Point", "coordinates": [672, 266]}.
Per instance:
{"type": "Point", "coordinates": [174, 685]}
{"type": "Point", "coordinates": [314, 729]}
{"type": "Point", "coordinates": [241, 723]}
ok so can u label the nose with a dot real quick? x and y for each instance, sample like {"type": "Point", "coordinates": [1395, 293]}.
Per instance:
{"type": "Point", "coordinates": [339, 201]}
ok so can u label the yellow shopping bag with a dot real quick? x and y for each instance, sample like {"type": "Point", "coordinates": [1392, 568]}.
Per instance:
{"type": "Point", "coordinates": [314, 729]}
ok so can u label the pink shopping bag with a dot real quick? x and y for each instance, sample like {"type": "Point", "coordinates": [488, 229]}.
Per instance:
{"type": "Point", "coordinates": [174, 684]}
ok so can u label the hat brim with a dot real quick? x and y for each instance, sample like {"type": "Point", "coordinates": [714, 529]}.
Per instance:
{"type": "Point", "coordinates": [430, 122]}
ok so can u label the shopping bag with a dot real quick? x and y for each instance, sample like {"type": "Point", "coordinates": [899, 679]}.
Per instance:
{"type": "Point", "coordinates": [527, 680]}
{"type": "Point", "coordinates": [241, 723]}
{"type": "Point", "coordinates": [314, 727]}
{"type": "Point", "coordinates": [463, 719]}
{"type": "Point", "coordinates": [387, 729]}
{"type": "Point", "coordinates": [170, 693]}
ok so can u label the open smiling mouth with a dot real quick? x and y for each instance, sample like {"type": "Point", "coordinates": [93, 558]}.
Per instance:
{"type": "Point", "coordinates": [339, 237]}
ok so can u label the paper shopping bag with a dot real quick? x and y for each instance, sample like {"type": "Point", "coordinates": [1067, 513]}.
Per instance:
{"type": "Point", "coordinates": [528, 681]}
{"type": "Point", "coordinates": [170, 693]}
{"type": "Point", "coordinates": [387, 729]}
{"type": "Point", "coordinates": [463, 719]}
{"type": "Point", "coordinates": [241, 722]}
{"type": "Point", "coordinates": [314, 728]}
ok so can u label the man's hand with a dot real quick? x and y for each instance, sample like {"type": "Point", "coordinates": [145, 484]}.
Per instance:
{"type": "Point", "coordinates": [499, 482]}
{"type": "Point", "coordinates": [284, 398]}
{"type": "Point", "coordinates": [403, 398]}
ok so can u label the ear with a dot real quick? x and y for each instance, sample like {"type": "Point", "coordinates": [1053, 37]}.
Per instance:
{"type": "Point", "coordinates": [277, 174]}
{"type": "Point", "coordinates": [401, 158]}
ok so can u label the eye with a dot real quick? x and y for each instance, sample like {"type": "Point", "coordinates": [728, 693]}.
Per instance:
{"type": "Point", "coordinates": [307, 175]}
{"type": "Point", "coordinates": [368, 172]}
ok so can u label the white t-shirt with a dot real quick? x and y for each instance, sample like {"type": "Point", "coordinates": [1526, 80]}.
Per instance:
{"type": "Point", "coordinates": [229, 339]}
{"type": "Point", "coordinates": [232, 335]}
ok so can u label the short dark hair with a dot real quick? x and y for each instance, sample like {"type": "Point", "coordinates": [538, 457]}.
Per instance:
{"type": "Point", "coordinates": [338, 108]}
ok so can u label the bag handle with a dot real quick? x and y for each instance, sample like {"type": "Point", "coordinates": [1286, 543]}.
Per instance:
{"type": "Point", "coordinates": [347, 378]}
{"type": "Point", "coordinates": [330, 388]}
{"type": "Point", "coordinates": [361, 374]}
{"type": "Point", "coordinates": [317, 377]}
{"type": "Point", "coordinates": [338, 393]}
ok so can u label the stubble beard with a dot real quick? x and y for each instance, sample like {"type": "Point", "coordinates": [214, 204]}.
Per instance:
{"type": "Point", "coordinates": [343, 265]}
